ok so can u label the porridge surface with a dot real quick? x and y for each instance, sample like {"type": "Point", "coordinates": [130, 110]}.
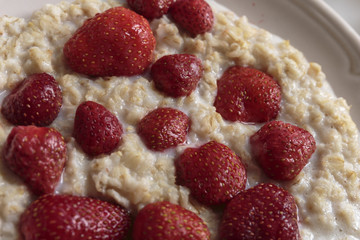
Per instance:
{"type": "Point", "coordinates": [326, 191]}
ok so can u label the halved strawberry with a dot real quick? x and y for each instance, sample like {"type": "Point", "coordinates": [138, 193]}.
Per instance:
{"type": "Point", "coordinates": [96, 129]}
{"type": "Point", "coordinates": [282, 149]}
{"type": "Point", "coordinates": [248, 95]}
{"type": "Point", "coordinates": [263, 212]}
{"type": "Point", "coordinates": [150, 8]}
{"type": "Point", "coordinates": [73, 218]}
{"type": "Point", "coordinates": [195, 16]}
{"type": "Point", "coordinates": [213, 173]}
{"type": "Point", "coordinates": [34, 101]}
{"type": "Point", "coordinates": [177, 75]}
{"type": "Point", "coordinates": [117, 42]}
{"type": "Point", "coordinates": [163, 128]}
{"type": "Point", "coordinates": [37, 155]}
{"type": "Point", "coordinates": [167, 221]}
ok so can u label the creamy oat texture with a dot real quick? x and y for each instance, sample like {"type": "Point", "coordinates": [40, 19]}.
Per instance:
{"type": "Point", "coordinates": [327, 191]}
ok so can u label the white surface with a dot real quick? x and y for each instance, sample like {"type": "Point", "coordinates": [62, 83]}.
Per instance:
{"type": "Point", "coordinates": [349, 10]}
{"type": "Point", "coordinates": [310, 25]}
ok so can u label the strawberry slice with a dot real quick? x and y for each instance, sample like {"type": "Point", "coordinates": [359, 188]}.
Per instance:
{"type": "Point", "coordinates": [262, 212]}
{"type": "Point", "coordinates": [72, 218]}
{"type": "Point", "coordinates": [195, 16]}
{"type": "Point", "coordinates": [163, 128]}
{"type": "Point", "coordinates": [282, 149]}
{"type": "Point", "coordinates": [213, 173]}
{"type": "Point", "coordinates": [37, 155]}
{"type": "Point", "coordinates": [36, 100]}
{"type": "Point", "coordinates": [96, 129]}
{"type": "Point", "coordinates": [117, 42]}
{"type": "Point", "coordinates": [248, 95]}
{"type": "Point", "coordinates": [150, 8]}
{"type": "Point", "coordinates": [167, 221]}
{"type": "Point", "coordinates": [177, 75]}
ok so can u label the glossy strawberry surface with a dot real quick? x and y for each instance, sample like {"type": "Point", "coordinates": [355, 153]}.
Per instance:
{"type": "Point", "coordinates": [164, 128]}
{"type": "Point", "coordinates": [248, 95]}
{"type": "Point", "coordinates": [96, 129]}
{"type": "Point", "coordinates": [195, 16]}
{"type": "Point", "coordinates": [265, 212]}
{"type": "Point", "coordinates": [282, 149]}
{"type": "Point", "coordinates": [150, 9]}
{"type": "Point", "coordinates": [213, 173]}
{"type": "Point", "coordinates": [167, 221]}
{"type": "Point", "coordinates": [73, 218]}
{"type": "Point", "coordinates": [177, 75]}
{"type": "Point", "coordinates": [37, 155]}
{"type": "Point", "coordinates": [36, 100]}
{"type": "Point", "coordinates": [117, 42]}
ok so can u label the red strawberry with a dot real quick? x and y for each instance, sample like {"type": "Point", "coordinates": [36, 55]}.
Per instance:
{"type": "Point", "coordinates": [263, 212]}
{"type": "Point", "coordinates": [150, 8]}
{"type": "Point", "coordinates": [37, 155]}
{"type": "Point", "coordinates": [282, 149]}
{"type": "Point", "coordinates": [177, 75]}
{"type": "Point", "coordinates": [195, 16]}
{"type": "Point", "coordinates": [167, 221]}
{"type": "Point", "coordinates": [163, 128]}
{"type": "Point", "coordinates": [34, 101]}
{"type": "Point", "coordinates": [213, 173]}
{"type": "Point", "coordinates": [96, 129]}
{"type": "Point", "coordinates": [248, 95]}
{"type": "Point", "coordinates": [117, 42]}
{"type": "Point", "coordinates": [72, 218]}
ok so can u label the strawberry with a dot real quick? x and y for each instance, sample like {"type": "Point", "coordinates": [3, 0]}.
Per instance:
{"type": "Point", "coordinates": [248, 95]}
{"type": "Point", "coordinates": [195, 16]}
{"type": "Point", "coordinates": [282, 149]}
{"type": "Point", "coordinates": [177, 75]}
{"type": "Point", "coordinates": [163, 128]}
{"type": "Point", "coordinates": [96, 129]}
{"type": "Point", "coordinates": [37, 155]}
{"type": "Point", "coordinates": [117, 42]}
{"type": "Point", "coordinates": [167, 221]}
{"type": "Point", "coordinates": [213, 173]}
{"type": "Point", "coordinates": [72, 218]}
{"type": "Point", "coordinates": [265, 212]}
{"type": "Point", "coordinates": [150, 8]}
{"type": "Point", "coordinates": [36, 100]}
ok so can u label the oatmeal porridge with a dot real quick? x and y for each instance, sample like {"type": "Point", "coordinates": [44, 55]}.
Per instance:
{"type": "Point", "coordinates": [326, 191]}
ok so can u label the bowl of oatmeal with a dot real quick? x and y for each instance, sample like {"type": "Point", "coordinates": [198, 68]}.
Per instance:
{"type": "Point", "coordinates": [326, 191]}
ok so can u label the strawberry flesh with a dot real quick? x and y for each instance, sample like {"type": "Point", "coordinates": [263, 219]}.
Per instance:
{"type": "Point", "coordinates": [213, 173]}
{"type": "Point", "coordinates": [282, 149]}
{"type": "Point", "coordinates": [37, 155]}
{"type": "Point", "coordinates": [34, 101]}
{"type": "Point", "coordinates": [96, 129]}
{"type": "Point", "coordinates": [72, 218]}
{"type": "Point", "coordinates": [195, 16]}
{"type": "Point", "coordinates": [263, 212]}
{"type": "Point", "coordinates": [177, 75]}
{"type": "Point", "coordinates": [248, 95]}
{"type": "Point", "coordinates": [167, 221]}
{"type": "Point", "coordinates": [117, 42]}
{"type": "Point", "coordinates": [163, 128]}
{"type": "Point", "coordinates": [150, 8]}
